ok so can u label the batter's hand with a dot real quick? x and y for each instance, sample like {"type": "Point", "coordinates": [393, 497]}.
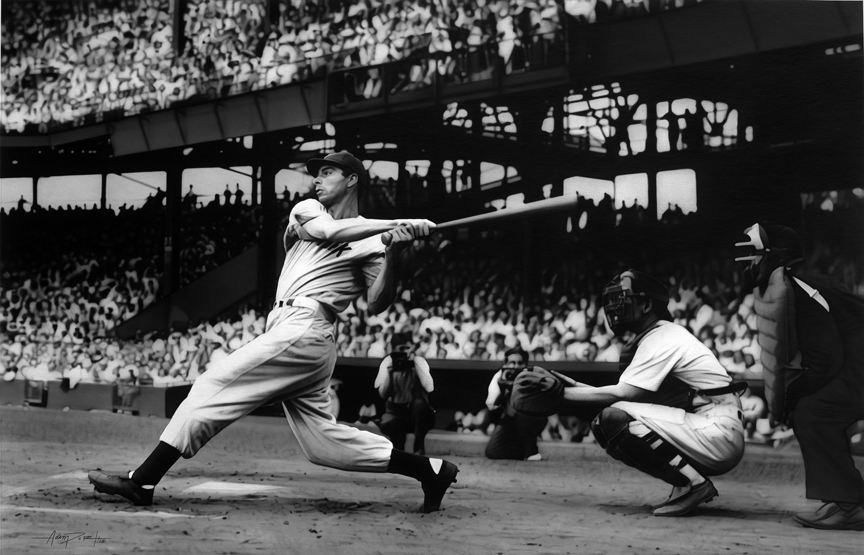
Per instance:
{"type": "Point", "coordinates": [408, 230]}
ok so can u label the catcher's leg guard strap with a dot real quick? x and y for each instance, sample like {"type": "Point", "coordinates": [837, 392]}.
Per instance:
{"type": "Point", "coordinates": [650, 454]}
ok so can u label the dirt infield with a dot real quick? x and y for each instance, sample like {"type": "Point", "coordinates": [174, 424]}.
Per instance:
{"type": "Point", "coordinates": [252, 491]}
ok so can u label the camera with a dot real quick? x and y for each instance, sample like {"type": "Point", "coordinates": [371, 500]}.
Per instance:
{"type": "Point", "coordinates": [401, 362]}
{"type": "Point", "coordinates": [509, 374]}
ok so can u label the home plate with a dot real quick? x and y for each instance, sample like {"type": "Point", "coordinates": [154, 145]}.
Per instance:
{"type": "Point", "coordinates": [229, 488]}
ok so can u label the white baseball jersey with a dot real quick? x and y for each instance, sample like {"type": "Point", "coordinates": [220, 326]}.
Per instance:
{"type": "Point", "coordinates": [670, 349]}
{"type": "Point", "coordinates": [334, 274]}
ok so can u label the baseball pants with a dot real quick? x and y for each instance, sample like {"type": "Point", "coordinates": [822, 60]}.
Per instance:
{"type": "Point", "coordinates": [291, 362]}
{"type": "Point", "coordinates": [712, 438]}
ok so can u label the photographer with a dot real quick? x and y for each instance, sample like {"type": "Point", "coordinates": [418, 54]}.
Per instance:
{"type": "Point", "coordinates": [404, 382]}
{"type": "Point", "coordinates": [515, 435]}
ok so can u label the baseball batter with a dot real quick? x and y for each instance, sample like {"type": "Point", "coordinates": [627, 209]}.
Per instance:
{"type": "Point", "coordinates": [333, 256]}
{"type": "Point", "coordinates": [674, 412]}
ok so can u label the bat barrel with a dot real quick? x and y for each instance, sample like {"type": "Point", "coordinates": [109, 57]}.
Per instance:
{"type": "Point", "coordinates": [531, 209]}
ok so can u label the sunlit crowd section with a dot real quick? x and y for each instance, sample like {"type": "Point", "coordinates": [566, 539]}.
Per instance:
{"type": "Point", "coordinates": [79, 63]}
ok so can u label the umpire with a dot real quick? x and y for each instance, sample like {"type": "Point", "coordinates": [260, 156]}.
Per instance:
{"type": "Point", "coordinates": [405, 383]}
{"type": "Point", "coordinates": [515, 435]}
{"type": "Point", "coordinates": [813, 358]}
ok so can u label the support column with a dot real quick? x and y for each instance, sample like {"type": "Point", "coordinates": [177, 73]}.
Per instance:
{"type": "Point", "coordinates": [102, 199]}
{"type": "Point", "coordinates": [172, 245]}
{"type": "Point", "coordinates": [269, 239]}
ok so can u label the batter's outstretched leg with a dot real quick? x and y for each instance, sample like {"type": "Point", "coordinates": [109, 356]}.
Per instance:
{"type": "Point", "coordinates": [435, 475]}
{"type": "Point", "coordinates": [329, 443]}
{"type": "Point", "coordinates": [137, 486]}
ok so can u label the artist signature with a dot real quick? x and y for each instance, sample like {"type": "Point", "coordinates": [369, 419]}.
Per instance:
{"type": "Point", "coordinates": [64, 538]}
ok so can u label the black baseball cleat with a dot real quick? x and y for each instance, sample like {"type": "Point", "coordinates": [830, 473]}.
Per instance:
{"type": "Point", "coordinates": [435, 488]}
{"type": "Point", "coordinates": [122, 485]}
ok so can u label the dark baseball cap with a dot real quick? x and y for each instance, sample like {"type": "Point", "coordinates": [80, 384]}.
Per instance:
{"type": "Point", "coordinates": [343, 160]}
{"type": "Point", "coordinates": [400, 338]}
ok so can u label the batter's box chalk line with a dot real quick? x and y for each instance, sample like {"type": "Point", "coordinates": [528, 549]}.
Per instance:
{"type": "Point", "coordinates": [93, 512]}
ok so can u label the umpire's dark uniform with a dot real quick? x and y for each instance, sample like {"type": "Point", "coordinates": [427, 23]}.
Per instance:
{"type": "Point", "coordinates": [828, 397]}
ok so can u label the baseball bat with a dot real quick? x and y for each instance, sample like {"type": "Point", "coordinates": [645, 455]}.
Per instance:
{"type": "Point", "coordinates": [537, 208]}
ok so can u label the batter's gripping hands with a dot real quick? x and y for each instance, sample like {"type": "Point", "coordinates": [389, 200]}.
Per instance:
{"type": "Point", "coordinates": [408, 230]}
{"type": "Point", "coordinates": [538, 392]}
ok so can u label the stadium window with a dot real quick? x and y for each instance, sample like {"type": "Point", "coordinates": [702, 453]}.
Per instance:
{"type": "Point", "coordinates": [456, 178]}
{"type": "Point", "coordinates": [69, 190]}
{"type": "Point", "coordinates": [497, 204]}
{"type": "Point", "coordinates": [676, 188]}
{"type": "Point", "coordinates": [206, 183]}
{"type": "Point", "coordinates": [497, 121]}
{"type": "Point", "coordinates": [549, 122]}
{"type": "Point", "coordinates": [456, 116]}
{"type": "Point", "coordinates": [293, 183]}
{"type": "Point", "coordinates": [601, 119]}
{"type": "Point", "coordinates": [631, 189]}
{"type": "Point", "coordinates": [417, 168]}
{"type": "Point", "coordinates": [383, 169]}
{"type": "Point", "coordinates": [132, 189]}
{"type": "Point", "coordinates": [323, 145]}
{"type": "Point", "coordinates": [517, 199]}
{"type": "Point", "coordinates": [491, 175]}
{"type": "Point", "coordinates": [374, 147]}
{"type": "Point", "coordinates": [721, 124]}
{"type": "Point", "coordinates": [589, 188]}
{"type": "Point", "coordinates": [15, 190]}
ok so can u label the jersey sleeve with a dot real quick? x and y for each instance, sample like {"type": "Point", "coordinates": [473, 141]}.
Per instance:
{"type": "Point", "coordinates": [655, 358]}
{"type": "Point", "coordinates": [494, 391]}
{"type": "Point", "coordinates": [302, 212]}
{"type": "Point", "coordinates": [383, 372]}
{"type": "Point", "coordinates": [422, 369]}
{"type": "Point", "coordinates": [375, 261]}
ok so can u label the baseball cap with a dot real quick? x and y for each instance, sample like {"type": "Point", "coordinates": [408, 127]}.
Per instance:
{"type": "Point", "coordinates": [400, 338]}
{"type": "Point", "coordinates": [343, 160]}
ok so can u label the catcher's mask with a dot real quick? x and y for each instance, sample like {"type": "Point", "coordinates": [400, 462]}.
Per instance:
{"type": "Point", "coordinates": [768, 248]}
{"type": "Point", "coordinates": [619, 300]}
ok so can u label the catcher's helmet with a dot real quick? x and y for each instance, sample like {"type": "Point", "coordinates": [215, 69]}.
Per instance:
{"type": "Point", "coordinates": [768, 248]}
{"type": "Point", "coordinates": [618, 297]}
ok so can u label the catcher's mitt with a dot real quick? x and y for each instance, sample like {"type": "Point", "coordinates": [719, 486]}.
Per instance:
{"type": "Point", "coordinates": [538, 392]}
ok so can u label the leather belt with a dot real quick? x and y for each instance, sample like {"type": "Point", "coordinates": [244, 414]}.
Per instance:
{"type": "Point", "coordinates": [306, 302]}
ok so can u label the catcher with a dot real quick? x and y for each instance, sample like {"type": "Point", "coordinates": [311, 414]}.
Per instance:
{"type": "Point", "coordinates": [674, 413]}
{"type": "Point", "coordinates": [813, 367]}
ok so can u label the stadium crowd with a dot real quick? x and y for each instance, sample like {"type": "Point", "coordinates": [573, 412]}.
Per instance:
{"type": "Point", "coordinates": [71, 63]}
{"type": "Point", "coordinates": [63, 293]}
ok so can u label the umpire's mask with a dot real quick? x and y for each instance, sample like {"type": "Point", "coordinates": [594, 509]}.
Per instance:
{"type": "Point", "coordinates": [767, 248]}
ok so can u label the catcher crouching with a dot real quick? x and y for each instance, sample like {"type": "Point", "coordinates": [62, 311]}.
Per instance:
{"type": "Point", "coordinates": [674, 413]}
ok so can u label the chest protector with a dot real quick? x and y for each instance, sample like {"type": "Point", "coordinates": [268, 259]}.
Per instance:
{"type": "Point", "coordinates": [775, 319]}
